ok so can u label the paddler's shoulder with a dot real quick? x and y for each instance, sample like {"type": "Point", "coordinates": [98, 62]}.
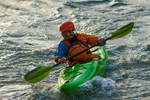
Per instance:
{"type": "Point", "coordinates": [61, 44]}
{"type": "Point", "coordinates": [82, 34]}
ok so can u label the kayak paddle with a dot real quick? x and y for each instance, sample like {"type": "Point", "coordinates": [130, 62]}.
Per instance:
{"type": "Point", "coordinates": [40, 73]}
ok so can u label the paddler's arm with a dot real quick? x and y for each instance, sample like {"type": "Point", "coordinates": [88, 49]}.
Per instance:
{"type": "Point", "coordinates": [59, 59]}
{"type": "Point", "coordinates": [62, 60]}
{"type": "Point", "coordinates": [60, 53]}
{"type": "Point", "coordinates": [91, 40]}
{"type": "Point", "coordinates": [102, 41]}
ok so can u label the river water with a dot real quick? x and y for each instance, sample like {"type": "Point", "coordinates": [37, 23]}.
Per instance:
{"type": "Point", "coordinates": [29, 36]}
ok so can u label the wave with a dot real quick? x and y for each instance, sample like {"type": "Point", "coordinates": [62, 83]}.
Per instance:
{"type": "Point", "coordinates": [74, 4]}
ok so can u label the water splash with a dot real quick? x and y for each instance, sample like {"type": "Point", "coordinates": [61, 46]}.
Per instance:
{"type": "Point", "coordinates": [97, 87]}
{"type": "Point", "coordinates": [100, 86]}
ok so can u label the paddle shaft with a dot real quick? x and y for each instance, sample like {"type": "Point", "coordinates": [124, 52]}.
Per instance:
{"type": "Point", "coordinates": [81, 52]}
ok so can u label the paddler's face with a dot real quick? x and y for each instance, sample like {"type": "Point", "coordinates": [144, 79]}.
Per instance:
{"type": "Point", "coordinates": [66, 34]}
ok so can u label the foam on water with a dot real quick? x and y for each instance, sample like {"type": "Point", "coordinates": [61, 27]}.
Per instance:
{"type": "Point", "coordinates": [102, 87]}
{"type": "Point", "coordinates": [98, 87]}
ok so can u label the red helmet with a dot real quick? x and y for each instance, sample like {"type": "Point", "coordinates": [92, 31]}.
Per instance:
{"type": "Point", "coordinates": [67, 26]}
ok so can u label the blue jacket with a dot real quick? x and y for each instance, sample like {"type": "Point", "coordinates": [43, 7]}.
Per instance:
{"type": "Point", "coordinates": [62, 50]}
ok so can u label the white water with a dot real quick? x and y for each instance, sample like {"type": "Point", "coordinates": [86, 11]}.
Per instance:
{"type": "Point", "coordinates": [29, 35]}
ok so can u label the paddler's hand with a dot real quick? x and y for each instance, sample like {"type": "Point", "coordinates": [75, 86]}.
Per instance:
{"type": "Point", "coordinates": [62, 60]}
{"type": "Point", "coordinates": [102, 41]}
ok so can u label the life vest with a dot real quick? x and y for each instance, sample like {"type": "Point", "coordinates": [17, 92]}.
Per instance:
{"type": "Point", "coordinates": [76, 49]}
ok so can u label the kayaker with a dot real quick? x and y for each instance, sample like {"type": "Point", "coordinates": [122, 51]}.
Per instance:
{"type": "Point", "coordinates": [73, 43]}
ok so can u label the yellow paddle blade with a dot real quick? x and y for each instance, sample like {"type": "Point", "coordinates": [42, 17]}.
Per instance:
{"type": "Point", "coordinates": [123, 31]}
{"type": "Point", "coordinates": [38, 74]}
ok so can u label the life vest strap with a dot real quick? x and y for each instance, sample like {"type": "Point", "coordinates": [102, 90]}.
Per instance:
{"type": "Point", "coordinates": [79, 38]}
{"type": "Point", "coordinates": [66, 43]}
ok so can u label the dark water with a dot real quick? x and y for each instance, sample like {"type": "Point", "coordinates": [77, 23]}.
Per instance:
{"type": "Point", "coordinates": [29, 35]}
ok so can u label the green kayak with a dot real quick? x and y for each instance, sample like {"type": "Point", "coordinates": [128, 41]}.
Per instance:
{"type": "Point", "coordinates": [70, 78]}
